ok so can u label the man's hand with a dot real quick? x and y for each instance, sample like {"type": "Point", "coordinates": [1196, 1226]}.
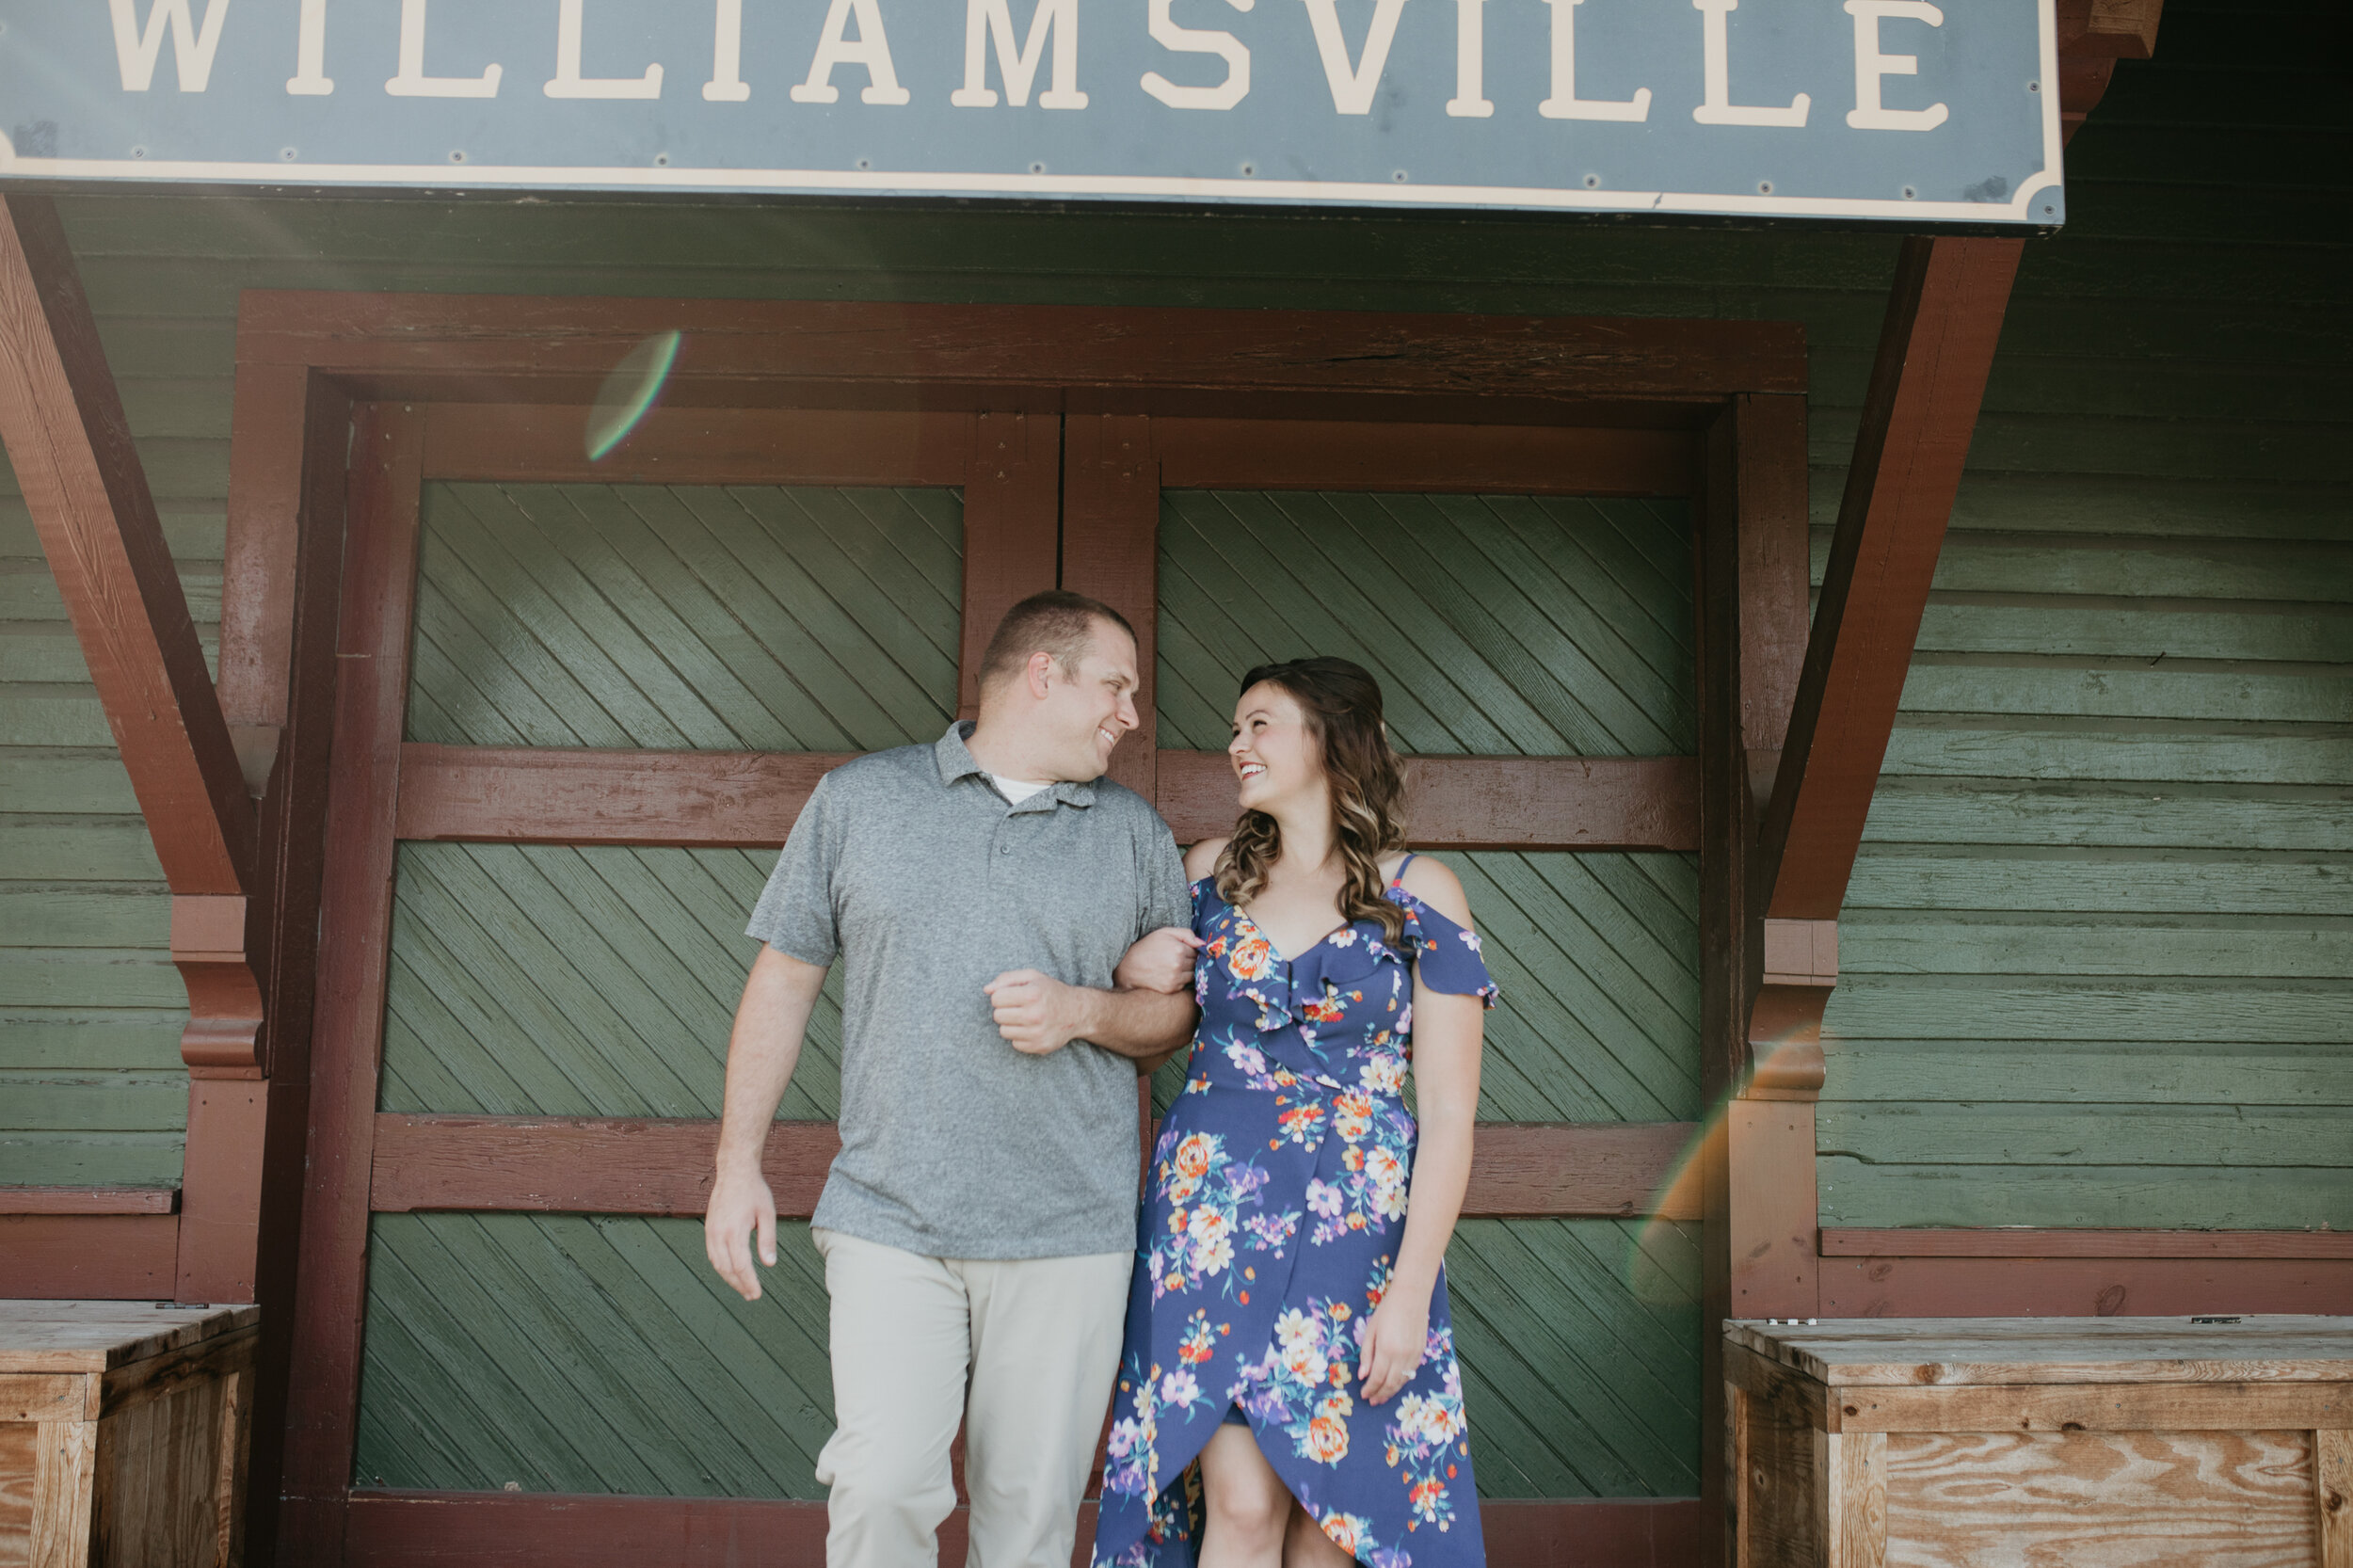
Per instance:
{"type": "Point", "coordinates": [1037, 1013]}
{"type": "Point", "coordinates": [1160, 961]}
{"type": "Point", "coordinates": [740, 1204]}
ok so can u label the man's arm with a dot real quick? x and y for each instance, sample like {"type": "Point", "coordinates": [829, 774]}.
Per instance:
{"type": "Point", "coordinates": [1039, 1015]}
{"type": "Point", "coordinates": [765, 1046]}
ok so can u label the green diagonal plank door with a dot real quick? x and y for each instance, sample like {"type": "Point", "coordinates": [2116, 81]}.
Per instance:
{"type": "Point", "coordinates": [577, 1352]}
{"type": "Point", "coordinates": [1511, 625]}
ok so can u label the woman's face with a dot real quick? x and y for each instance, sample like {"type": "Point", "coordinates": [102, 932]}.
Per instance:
{"type": "Point", "coordinates": [1276, 756]}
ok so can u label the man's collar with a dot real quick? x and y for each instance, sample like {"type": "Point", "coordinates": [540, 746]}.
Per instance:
{"type": "Point", "coordinates": [955, 761]}
{"type": "Point", "coordinates": [955, 758]}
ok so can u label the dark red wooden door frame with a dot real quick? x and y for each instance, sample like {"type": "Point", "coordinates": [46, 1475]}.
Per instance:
{"type": "Point", "coordinates": [1013, 404]}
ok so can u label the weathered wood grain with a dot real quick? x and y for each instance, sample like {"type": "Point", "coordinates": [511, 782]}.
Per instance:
{"type": "Point", "coordinates": [44, 1396]}
{"type": "Point", "coordinates": [2163, 1500]}
{"type": "Point", "coordinates": [1968, 1352]}
{"type": "Point", "coordinates": [65, 1465]}
{"type": "Point", "coordinates": [19, 1445]}
{"type": "Point", "coordinates": [96, 1336]}
{"type": "Point", "coordinates": [1853, 1467]}
{"type": "Point", "coordinates": [2115, 1407]}
{"type": "Point", "coordinates": [2332, 1496]}
{"type": "Point", "coordinates": [89, 1200]}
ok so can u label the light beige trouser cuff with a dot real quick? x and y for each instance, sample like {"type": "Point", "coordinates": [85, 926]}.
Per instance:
{"type": "Point", "coordinates": [1023, 1352]}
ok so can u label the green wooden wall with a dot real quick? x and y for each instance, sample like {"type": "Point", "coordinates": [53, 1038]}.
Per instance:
{"type": "Point", "coordinates": [92, 1091]}
{"type": "Point", "coordinates": [2097, 957]}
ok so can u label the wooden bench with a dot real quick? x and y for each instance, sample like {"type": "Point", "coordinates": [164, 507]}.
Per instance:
{"type": "Point", "coordinates": [2093, 1442]}
{"type": "Point", "coordinates": [123, 1434]}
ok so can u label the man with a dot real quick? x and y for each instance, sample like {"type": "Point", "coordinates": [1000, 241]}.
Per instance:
{"type": "Point", "coordinates": [979, 1225]}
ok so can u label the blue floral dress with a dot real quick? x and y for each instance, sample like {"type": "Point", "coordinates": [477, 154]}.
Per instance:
{"type": "Point", "coordinates": [1271, 1222]}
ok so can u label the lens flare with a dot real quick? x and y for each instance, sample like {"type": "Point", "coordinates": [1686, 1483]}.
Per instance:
{"type": "Point", "coordinates": [1657, 1253]}
{"type": "Point", "coordinates": [630, 393]}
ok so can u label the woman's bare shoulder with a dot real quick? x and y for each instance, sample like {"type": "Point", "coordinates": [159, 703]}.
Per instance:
{"type": "Point", "coordinates": [1432, 881]}
{"type": "Point", "coordinates": [1201, 859]}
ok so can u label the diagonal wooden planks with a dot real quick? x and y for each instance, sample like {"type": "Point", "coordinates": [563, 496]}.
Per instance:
{"type": "Point", "coordinates": [768, 619]}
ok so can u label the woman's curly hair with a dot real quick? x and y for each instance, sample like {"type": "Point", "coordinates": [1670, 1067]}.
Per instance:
{"type": "Point", "coordinates": [1342, 704]}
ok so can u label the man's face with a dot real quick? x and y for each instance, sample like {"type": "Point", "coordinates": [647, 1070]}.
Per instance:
{"type": "Point", "coordinates": [1088, 711]}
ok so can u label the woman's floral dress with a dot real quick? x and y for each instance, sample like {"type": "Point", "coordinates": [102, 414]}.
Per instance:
{"type": "Point", "coordinates": [1274, 1208]}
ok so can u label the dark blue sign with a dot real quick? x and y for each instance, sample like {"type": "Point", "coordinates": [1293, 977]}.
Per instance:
{"type": "Point", "coordinates": [1900, 110]}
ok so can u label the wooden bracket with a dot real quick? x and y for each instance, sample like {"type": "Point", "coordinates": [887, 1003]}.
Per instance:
{"type": "Point", "coordinates": [1785, 1024]}
{"type": "Point", "coordinates": [2093, 35]}
{"type": "Point", "coordinates": [208, 944]}
{"type": "Point", "coordinates": [70, 443]}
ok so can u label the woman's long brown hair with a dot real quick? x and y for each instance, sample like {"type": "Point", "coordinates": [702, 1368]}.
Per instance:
{"type": "Point", "coordinates": [1342, 704]}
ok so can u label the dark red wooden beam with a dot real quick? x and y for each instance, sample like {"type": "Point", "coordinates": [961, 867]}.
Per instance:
{"type": "Point", "coordinates": [1037, 357]}
{"type": "Point", "coordinates": [70, 444]}
{"type": "Point", "coordinates": [698, 799]}
{"type": "Point", "coordinates": [1486, 802]}
{"type": "Point", "coordinates": [89, 1256]}
{"type": "Point", "coordinates": [615, 1165]}
{"type": "Point", "coordinates": [1943, 317]}
{"type": "Point", "coordinates": [70, 447]}
{"type": "Point", "coordinates": [705, 799]}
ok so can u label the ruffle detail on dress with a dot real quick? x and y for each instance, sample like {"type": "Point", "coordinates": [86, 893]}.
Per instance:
{"type": "Point", "coordinates": [1449, 956]}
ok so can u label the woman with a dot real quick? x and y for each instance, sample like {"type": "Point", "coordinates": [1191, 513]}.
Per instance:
{"type": "Point", "coordinates": [1288, 1321]}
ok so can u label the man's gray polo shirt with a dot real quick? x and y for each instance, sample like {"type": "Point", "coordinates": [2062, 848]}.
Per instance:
{"type": "Point", "coordinates": [909, 867]}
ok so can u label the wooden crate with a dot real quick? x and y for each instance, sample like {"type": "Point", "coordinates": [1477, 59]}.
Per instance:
{"type": "Point", "coordinates": [2018, 1442]}
{"type": "Point", "coordinates": [123, 1430]}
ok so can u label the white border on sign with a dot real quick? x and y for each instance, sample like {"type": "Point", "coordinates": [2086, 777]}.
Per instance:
{"type": "Point", "coordinates": [1154, 187]}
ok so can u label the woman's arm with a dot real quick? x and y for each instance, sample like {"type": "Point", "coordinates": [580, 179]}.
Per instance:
{"type": "Point", "coordinates": [1448, 1031]}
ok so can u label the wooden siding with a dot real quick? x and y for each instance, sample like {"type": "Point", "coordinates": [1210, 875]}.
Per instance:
{"type": "Point", "coordinates": [92, 1091]}
{"type": "Point", "coordinates": [2094, 960]}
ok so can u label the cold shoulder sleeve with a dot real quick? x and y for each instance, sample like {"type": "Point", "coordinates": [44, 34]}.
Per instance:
{"type": "Point", "coordinates": [1449, 955]}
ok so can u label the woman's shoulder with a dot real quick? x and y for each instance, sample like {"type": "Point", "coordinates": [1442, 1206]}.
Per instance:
{"type": "Point", "coordinates": [1201, 859]}
{"type": "Point", "coordinates": [1433, 882]}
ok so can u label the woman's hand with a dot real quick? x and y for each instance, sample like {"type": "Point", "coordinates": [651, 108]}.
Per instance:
{"type": "Point", "coordinates": [1395, 1342]}
{"type": "Point", "coordinates": [1160, 961]}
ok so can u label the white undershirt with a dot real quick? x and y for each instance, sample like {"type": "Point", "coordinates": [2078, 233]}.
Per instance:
{"type": "Point", "coordinates": [1016, 790]}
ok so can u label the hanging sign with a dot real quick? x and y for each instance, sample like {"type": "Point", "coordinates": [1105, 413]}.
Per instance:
{"type": "Point", "coordinates": [1900, 110]}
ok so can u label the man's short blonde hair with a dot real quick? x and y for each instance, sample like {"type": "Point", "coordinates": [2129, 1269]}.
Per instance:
{"type": "Point", "coordinates": [1056, 622]}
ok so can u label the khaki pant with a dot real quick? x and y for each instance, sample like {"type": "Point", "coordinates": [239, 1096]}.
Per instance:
{"type": "Point", "coordinates": [1022, 1352]}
